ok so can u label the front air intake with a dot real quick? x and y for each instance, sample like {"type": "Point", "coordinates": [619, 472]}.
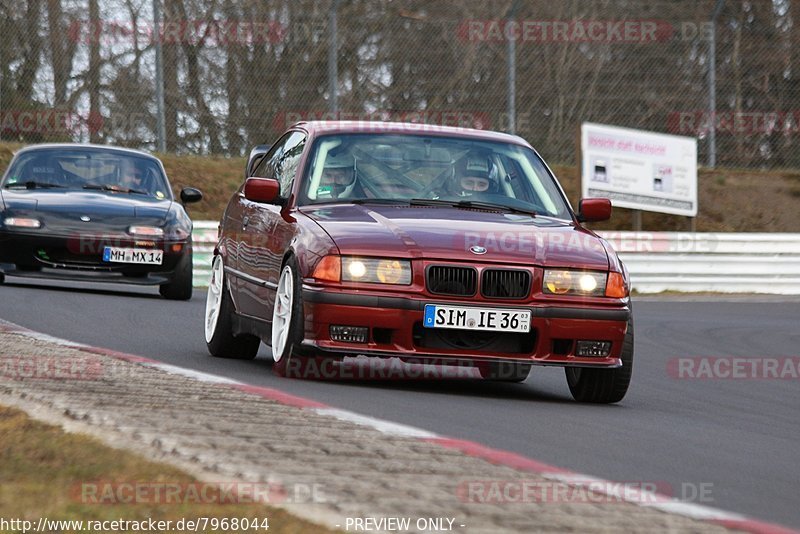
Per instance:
{"type": "Point", "coordinates": [505, 283]}
{"type": "Point", "coordinates": [452, 280]}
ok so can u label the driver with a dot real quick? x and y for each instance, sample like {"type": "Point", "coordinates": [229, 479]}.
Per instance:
{"type": "Point", "coordinates": [473, 175]}
{"type": "Point", "coordinates": [132, 176]}
{"type": "Point", "coordinates": [338, 176]}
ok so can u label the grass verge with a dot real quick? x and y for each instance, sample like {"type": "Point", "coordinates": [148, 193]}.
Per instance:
{"type": "Point", "coordinates": [46, 472]}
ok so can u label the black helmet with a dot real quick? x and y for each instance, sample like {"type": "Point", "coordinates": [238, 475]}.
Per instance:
{"type": "Point", "coordinates": [474, 173]}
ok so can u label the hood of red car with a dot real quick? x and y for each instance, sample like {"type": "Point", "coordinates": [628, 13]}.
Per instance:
{"type": "Point", "coordinates": [447, 233]}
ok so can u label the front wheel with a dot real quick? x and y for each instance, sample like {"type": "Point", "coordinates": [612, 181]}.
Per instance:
{"type": "Point", "coordinates": [287, 324]}
{"type": "Point", "coordinates": [180, 287]}
{"type": "Point", "coordinates": [603, 386]}
{"type": "Point", "coordinates": [220, 339]}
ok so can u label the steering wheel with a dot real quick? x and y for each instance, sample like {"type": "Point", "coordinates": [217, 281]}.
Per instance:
{"type": "Point", "coordinates": [437, 183]}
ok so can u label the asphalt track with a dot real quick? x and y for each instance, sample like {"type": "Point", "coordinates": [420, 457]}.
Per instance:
{"type": "Point", "coordinates": [737, 439]}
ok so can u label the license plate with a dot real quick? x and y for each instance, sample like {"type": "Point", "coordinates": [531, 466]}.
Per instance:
{"type": "Point", "coordinates": [145, 256]}
{"type": "Point", "coordinates": [466, 318]}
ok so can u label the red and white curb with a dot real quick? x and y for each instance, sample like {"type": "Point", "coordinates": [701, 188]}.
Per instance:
{"type": "Point", "coordinates": [616, 491]}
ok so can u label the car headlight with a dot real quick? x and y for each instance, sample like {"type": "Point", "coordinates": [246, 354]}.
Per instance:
{"type": "Point", "coordinates": [146, 231]}
{"type": "Point", "coordinates": [376, 270]}
{"type": "Point", "coordinates": [566, 282]}
{"type": "Point", "coordinates": [22, 222]}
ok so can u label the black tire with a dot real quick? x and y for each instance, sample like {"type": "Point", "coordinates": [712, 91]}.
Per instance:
{"type": "Point", "coordinates": [223, 343]}
{"type": "Point", "coordinates": [292, 364]}
{"type": "Point", "coordinates": [504, 371]}
{"type": "Point", "coordinates": [2, 278]}
{"type": "Point", "coordinates": [180, 287]}
{"type": "Point", "coordinates": [603, 386]}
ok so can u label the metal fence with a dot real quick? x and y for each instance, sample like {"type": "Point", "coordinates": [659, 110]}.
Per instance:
{"type": "Point", "coordinates": [203, 76]}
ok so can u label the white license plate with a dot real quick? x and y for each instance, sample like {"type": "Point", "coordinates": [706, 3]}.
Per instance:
{"type": "Point", "coordinates": [466, 318]}
{"type": "Point", "coordinates": [145, 256]}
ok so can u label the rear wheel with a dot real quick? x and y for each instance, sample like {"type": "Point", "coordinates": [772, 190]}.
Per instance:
{"type": "Point", "coordinates": [603, 386]}
{"type": "Point", "coordinates": [220, 340]}
{"type": "Point", "coordinates": [287, 325]}
{"type": "Point", "coordinates": [504, 371]}
{"type": "Point", "coordinates": [180, 287]}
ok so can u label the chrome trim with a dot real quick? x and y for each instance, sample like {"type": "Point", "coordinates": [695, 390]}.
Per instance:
{"type": "Point", "coordinates": [251, 279]}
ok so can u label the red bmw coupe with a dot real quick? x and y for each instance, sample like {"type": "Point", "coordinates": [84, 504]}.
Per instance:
{"type": "Point", "coordinates": [430, 244]}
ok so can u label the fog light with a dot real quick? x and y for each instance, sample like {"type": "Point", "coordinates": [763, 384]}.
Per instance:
{"type": "Point", "coordinates": [349, 334]}
{"type": "Point", "coordinates": [596, 349]}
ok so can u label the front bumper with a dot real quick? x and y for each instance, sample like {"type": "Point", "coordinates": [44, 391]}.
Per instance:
{"type": "Point", "coordinates": [395, 330]}
{"type": "Point", "coordinates": [80, 257]}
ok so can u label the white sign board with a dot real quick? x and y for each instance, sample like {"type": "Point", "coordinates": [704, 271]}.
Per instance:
{"type": "Point", "coordinates": [639, 170]}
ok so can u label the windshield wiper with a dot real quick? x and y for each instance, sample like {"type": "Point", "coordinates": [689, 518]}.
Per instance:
{"type": "Point", "coordinates": [469, 204]}
{"type": "Point", "coordinates": [115, 189]}
{"type": "Point", "coordinates": [31, 184]}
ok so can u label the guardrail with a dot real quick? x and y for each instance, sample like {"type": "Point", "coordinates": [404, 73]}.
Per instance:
{"type": "Point", "coordinates": [204, 237]}
{"type": "Point", "coordinates": [658, 261]}
{"type": "Point", "coordinates": [718, 262]}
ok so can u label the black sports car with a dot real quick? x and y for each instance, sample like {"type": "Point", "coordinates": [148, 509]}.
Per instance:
{"type": "Point", "coordinates": [97, 213]}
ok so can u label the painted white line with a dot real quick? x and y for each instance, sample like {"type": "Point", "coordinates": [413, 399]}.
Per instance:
{"type": "Point", "coordinates": [51, 339]}
{"type": "Point", "coordinates": [692, 510]}
{"type": "Point", "coordinates": [191, 373]}
{"type": "Point", "coordinates": [634, 493]}
{"type": "Point", "coordinates": [649, 499]}
{"type": "Point", "coordinates": [386, 427]}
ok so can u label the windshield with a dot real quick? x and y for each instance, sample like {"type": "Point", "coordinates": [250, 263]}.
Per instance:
{"type": "Point", "coordinates": [102, 170]}
{"type": "Point", "coordinates": [405, 168]}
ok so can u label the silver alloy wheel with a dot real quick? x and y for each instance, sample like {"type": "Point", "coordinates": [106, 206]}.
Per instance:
{"type": "Point", "coordinates": [214, 297]}
{"type": "Point", "coordinates": [282, 312]}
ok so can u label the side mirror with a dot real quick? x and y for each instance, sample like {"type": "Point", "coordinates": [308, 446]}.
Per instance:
{"type": "Point", "coordinates": [256, 154]}
{"type": "Point", "coordinates": [262, 190]}
{"type": "Point", "coordinates": [594, 210]}
{"type": "Point", "coordinates": [190, 195]}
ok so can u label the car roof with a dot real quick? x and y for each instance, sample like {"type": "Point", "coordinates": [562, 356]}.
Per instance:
{"type": "Point", "coordinates": [79, 146]}
{"type": "Point", "coordinates": [409, 128]}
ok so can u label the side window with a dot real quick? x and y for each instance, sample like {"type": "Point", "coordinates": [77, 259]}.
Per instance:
{"type": "Point", "coordinates": [266, 167]}
{"type": "Point", "coordinates": [286, 166]}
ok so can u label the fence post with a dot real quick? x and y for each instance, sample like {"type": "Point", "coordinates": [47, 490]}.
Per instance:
{"type": "Point", "coordinates": [712, 86]}
{"type": "Point", "coordinates": [161, 142]}
{"type": "Point", "coordinates": [512, 72]}
{"type": "Point", "coordinates": [333, 70]}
